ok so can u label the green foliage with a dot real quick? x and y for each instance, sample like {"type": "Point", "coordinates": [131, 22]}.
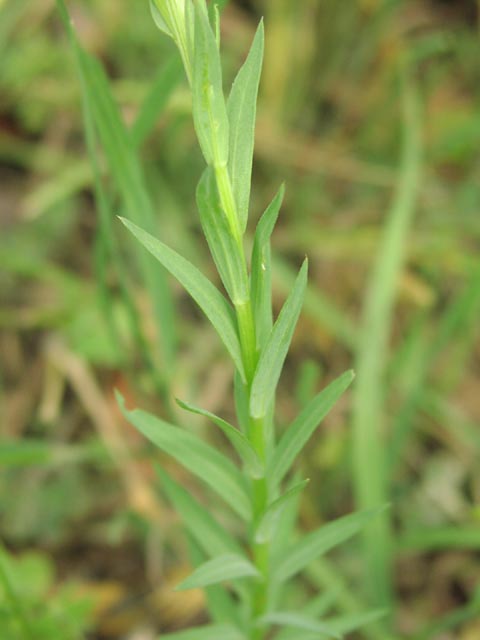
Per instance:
{"type": "Point", "coordinates": [197, 456]}
{"type": "Point", "coordinates": [298, 434]}
{"type": "Point", "coordinates": [228, 567]}
{"type": "Point", "coordinates": [27, 612]}
{"type": "Point", "coordinates": [260, 565]}
{"type": "Point", "coordinates": [205, 294]}
{"type": "Point", "coordinates": [317, 543]}
{"type": "Point", "coordinates": [241, 108]}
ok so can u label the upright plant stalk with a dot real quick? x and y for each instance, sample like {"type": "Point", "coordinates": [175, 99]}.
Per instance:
{"type": "Point", "coordinates": [257, 571]}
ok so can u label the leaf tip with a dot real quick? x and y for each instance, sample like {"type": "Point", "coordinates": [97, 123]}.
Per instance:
{"type": "Point", "coordinates": [120, 399]}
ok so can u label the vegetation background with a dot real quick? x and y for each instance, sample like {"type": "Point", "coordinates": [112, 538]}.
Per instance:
{"type": "Point", "coordinates": [88, 540]}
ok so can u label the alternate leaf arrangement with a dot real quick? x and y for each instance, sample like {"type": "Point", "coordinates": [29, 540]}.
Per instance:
{"type": "Point", "coordinates": [245, 581]}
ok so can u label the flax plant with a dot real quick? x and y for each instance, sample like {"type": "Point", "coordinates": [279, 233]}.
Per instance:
{"type": "Point", "coordinates": [246, 580]}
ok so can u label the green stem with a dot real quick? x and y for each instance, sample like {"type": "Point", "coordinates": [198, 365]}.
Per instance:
{"type": "Point", "coordinates": [256, 432]}
{"type": "Point", "coordinates": [256, 435]}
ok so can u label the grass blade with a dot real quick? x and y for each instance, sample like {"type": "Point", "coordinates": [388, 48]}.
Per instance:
{"type": "Point", "coordinates": [239, 441]}
{"type": "Point", "coordinates": [195, 455]}
{"type": "Point", "coordinates": [319, 542]}
{"type": "Point", "coordinates": [370, 468]}
{"type": "Point", "coordinates": [241, 109]}
{"type": "Point", "coordinates": [129, 180]}
{"type": "Point", "coordinates": [205, 294]}
{"type": "Point", "coordinates": [154, 103]}
{"type": "Point", "coordinates": [261, 269]}
{"type": "Point", "coordinates": [223, 568]}
{"type": "Point", "coordinates": [302, 428]}
{"type": "Point", "coordinates": [273, 355]}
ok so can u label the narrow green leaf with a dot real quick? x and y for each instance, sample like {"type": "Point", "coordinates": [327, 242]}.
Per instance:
{"type": "Point", "coordinates": [315, 544]}
{"type": "Point", "coordinates": [268, 523]}
{"type": "Point", "coordinates": [201, 525]}
{"type": "Point", "coordinates": [300, 431]}
{"type": "Point", "coordinates": [224, 568]}
{"type": "Point", "coordinates": [205, 294]}
{"type": "Point", "coordinates": [209, 109]}
{"type": "Point", "coordinates": [195, 455]}
{"type": "Point", "coordinates": [157, 97]}
{"type": "Point", "coordinates": [241, 109]}
{"type": "Point", "coordinates": [159, 19]}
{"type": "Point", "coordinates": [371, 471]}
{"type": "Point", "coordinates": [261, 278]}
{"type": "Point", "coordinates": [299, 621]}
{"type": "Point", "coordinates": [221, 606]}
{"type": "Point", "coordinates": [239, 441]}
{"type": "Point", "coordinates": [273, 355]}
{"type": "Point", "coordinates": [210, 632]}
{"type": "Point", "coordinates": [353, 622]}
{"type": "Point", "coordinates": [226, 252]}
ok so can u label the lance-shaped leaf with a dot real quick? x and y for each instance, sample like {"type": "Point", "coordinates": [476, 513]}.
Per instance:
{"type": "Point", "coordinates": [205, 294]}
{"type": "Point", "coordinates": [204, 529]}
{"type": "Point", "coordinates": [241, 444]}
{"type": "Point", "coordinates": [195, 455]}
{"type": "Point", "coordinates": [220, 603]}
{"type": "Point", "coordinates": [225, 250]}
{"type": "Point", "coordinates": [301, 429]}
{"type": "Point", "coordinates": [269, 521]}
{"type": "Point", "coordinates": [210, 632]}
{"type": "Point", "coordinates": [355, 621]}
{"type": "Point", "coordinates": [261, 278]}
{"type": "Point", "coordinates": [299, 621]}
{"type": "Point", "coordinates": [315, 544]}
{"type": "Point", "coordinates": [223, 568]}
{"type": "Point", "coordinates": [241, 108]}
{"type": "Point", "coordinates": [275, 351]}
{"type": "Point", "coordinates": [209, 109]}
{"type": "Point", "coordinates": [159, 19]}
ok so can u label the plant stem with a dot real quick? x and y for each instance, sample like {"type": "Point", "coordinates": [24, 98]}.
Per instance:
{"type": "Point", "coordinates": [256, 433]}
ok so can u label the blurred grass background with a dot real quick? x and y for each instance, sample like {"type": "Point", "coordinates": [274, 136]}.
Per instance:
{"type": "Point", "coordinates": [369, 111]}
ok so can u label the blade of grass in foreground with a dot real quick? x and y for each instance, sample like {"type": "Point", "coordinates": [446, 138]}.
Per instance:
{"type": "Point", "coordinates": [370, 475]}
